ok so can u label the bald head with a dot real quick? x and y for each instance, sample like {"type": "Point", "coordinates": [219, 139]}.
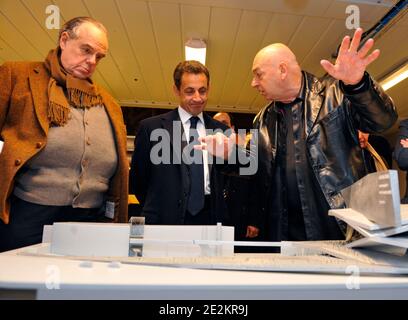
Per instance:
{"type": "Point", "coordinates": [224, 118]}
{"type": "Point", "coordinates": [277, 74]}
{"type": "Point", "coordinates": [277, 53]}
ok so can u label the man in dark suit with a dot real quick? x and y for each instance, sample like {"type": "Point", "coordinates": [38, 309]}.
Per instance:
{"type": "Point", "coordinates": [175, 183]}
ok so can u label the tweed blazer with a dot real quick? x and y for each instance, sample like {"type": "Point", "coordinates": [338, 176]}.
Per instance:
{"type": "Point", "coordinates": [24, 128]}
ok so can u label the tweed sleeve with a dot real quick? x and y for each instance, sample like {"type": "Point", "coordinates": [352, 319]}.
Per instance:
{"type": "Point", "coordinates": [5, 92]}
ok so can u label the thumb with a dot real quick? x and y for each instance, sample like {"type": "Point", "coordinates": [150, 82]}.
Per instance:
{"type": "Point", "coordinates": [328, 66]}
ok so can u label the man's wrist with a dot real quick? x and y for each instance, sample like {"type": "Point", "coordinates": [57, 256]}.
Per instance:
{"type": "Point", "coordinates": [361, 86]}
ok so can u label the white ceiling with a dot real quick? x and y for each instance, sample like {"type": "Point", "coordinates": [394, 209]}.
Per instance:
{"type": "Point", "coordinates": [147, 37]}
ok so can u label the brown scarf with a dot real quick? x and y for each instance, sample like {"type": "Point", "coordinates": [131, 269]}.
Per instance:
{"type": "Point", "coordinates": [81, 93]}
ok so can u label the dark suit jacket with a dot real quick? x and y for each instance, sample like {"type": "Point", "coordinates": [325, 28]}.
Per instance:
{"type": "Point", "coordinates": [163, 189]}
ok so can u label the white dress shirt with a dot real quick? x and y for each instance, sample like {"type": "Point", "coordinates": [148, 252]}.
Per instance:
{"type": "Point", "coordinates": [185, 120]}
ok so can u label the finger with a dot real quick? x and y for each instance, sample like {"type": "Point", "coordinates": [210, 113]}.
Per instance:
{"type": "Point", "coordinates": [344, 45]}
{"type": "Point", "coordinates": [366, 47]}
{"type": "Point", "coordinates": [202, 146]}
{"type": "Point", "coordinates": [328, 66]}
{"type": "Point", "coordinates": [356, 40]}
{"type": "Point", "coordinates": [372, 57]}
{"type": "Point", "coordinates": [204, 139]}
{"type": "Point", "coordinates": [207, 139]}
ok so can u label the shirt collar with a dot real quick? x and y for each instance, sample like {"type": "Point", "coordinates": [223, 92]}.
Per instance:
{"type": "Point", "coordinates": [185, 116]}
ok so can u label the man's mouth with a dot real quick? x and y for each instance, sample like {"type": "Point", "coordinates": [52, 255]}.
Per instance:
{"type": "Point", "coordinates": [84, 70]}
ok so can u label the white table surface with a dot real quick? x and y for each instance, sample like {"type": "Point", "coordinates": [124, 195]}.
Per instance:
{"type": "Point", "coordinates": [56, 278]}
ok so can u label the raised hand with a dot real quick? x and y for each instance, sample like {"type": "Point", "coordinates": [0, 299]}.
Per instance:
{"type": "Point", "coordinates": [350, 63]}
{"type": "Point", "coordinates": [404, 143]}
{"type": "Point", "coordinates": [218, 145]}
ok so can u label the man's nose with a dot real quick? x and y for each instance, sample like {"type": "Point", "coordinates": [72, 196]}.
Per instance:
{"type": "Point", "coordinates": [197, 96]}
{"type": "Point", "coordinates": [92, 59]}
{"type": "Point", "coordinates": [254, 82]}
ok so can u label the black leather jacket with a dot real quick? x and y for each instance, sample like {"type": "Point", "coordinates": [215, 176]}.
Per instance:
{"type": "Point", "coordinates": [331, 119]}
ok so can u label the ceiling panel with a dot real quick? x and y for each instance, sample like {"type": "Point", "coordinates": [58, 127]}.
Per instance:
{"type": "Point", "coordinates": [297, 7]}
{"type": "Point", "coordinates": [22, 19]}
{"type": "Point", "coordinates": [137, 19]}
{"type": "Point", "coordinates": [37, 11]}
{"type": "Point", "coordinates": [223, 35]}
{"type": "Point", "coordinates": [121, 52]}
{"type": "Point", "coordinates": [404, 20]}
{"type": "Point", "coordinates": [147, 38]}
{"type": "Point", "coordinates": [306, 36]}
{"type": "Point", "coordinates": [167, 32]}
{"type": "Point", "coordinates": [195, 21]}
{"type": "Point", "coordinates": [251, 32]}
{"type": "Point", "coordinates": [323, 48]}
{"type": "Point", "coordinates": [394, 50]}
{"type": "Point", "coordinates": [368, 12]}
{"type": "Point", "coordinates": [13, 31]}
{"type": "Point", "coordinates": [69, 9]}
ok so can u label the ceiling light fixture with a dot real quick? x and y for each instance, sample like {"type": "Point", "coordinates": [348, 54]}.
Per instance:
{"type": "Point", "coordinates": [395, 77]}
{"type": "Point", "coordinates": [195, 49]}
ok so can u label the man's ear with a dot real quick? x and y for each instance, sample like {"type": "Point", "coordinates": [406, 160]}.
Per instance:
{"type": "Point", "coordinates": [283, 70]}
{"type": "Point", "coordinates": [63, 39]}
{"type": "Point", "coordinates": [176, 90]}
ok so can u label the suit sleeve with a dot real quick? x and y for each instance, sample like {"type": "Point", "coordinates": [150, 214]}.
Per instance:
{"type": "Point", "coordinates": [401, 153]}
{"type": "Point", "coordinates": [5, 92]}
{"type": "Point", "coordinates": [140, 165]}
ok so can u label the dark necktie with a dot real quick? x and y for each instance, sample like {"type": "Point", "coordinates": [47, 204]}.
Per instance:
{"type": "Point", "coordinates": [196, 199]}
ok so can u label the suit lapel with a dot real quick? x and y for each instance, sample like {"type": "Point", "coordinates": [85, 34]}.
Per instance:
{"type": "Point", "coordinates": [171, 123]}
{"type": "Point", "coordinates": [38, 79]}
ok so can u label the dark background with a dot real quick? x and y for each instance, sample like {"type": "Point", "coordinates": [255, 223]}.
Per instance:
{"type": "Point", "coordinates": [133, 115]}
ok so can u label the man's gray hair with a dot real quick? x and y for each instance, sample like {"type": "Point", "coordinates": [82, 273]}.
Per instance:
{"type": "Point", "coordinates": [71, 26]}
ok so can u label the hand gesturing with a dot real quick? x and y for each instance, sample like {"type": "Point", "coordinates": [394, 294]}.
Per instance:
{"type": "Point", "coordinates": [350, 63]}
